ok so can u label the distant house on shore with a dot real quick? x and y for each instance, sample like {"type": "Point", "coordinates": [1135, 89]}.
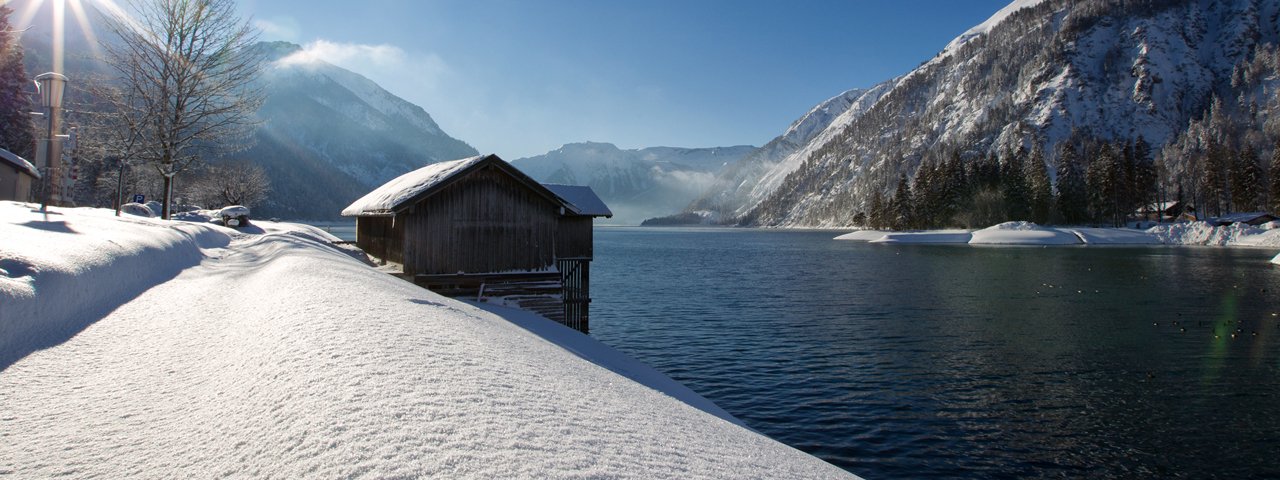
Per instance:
{"type": "Point", "coordinates": [480, 226]}
{"type": "Point", "coordinates": [1247, 218]}
{"type": "Point", "coordinates": [16, 177]}
{"type": "Point", "coordinates": [1165, 212]}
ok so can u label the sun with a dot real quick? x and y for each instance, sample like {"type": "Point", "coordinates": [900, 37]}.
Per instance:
{"type": "Point", "coordinates": [27, 13]}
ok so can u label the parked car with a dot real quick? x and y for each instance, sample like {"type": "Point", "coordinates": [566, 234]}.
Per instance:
{"type": "Point", "coordinates": [234, 215]}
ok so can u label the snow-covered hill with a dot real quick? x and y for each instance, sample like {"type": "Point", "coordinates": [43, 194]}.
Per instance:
{"type": "Point", "coordinates": [329, 135]}
{"type": "Point", "coordinates": [637, 184]}
{"type": "Point", "coordinates": [1035, 73]}
{"type": "Point", "coordinates": [142, 347]}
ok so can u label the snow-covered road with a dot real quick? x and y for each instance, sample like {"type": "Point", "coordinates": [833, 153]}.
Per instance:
{"type": "Point", "coordinates": [279, 355]}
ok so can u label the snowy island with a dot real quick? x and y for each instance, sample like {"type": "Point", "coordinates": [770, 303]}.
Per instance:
{"type": "Point", "coordinates": [1025, 233]}
{"type": "Point", "coordinates": [133, 346]}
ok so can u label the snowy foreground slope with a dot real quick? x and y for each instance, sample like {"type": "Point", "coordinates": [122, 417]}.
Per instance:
{"type": "Point", "coordinates": [140, 347]}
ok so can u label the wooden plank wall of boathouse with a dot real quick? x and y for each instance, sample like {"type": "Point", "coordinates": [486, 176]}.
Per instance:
{"type": "Point", "coordinates": [485, 222]}
{"type": "Point", "coordinates": [381, 237]}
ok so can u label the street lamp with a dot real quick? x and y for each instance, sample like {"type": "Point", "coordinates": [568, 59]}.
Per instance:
{"type": "Point", "coordinates": [51, 86]}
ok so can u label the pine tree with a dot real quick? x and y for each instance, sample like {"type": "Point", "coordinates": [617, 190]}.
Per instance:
{"type": "Point", "coordinates": [1073, 200]}
{"type": "Point", "coordinates": [17, 133]}
{"type": "Point", "coordinates": [1014, 186]}
{"type": "Point", "coordinates": [875, 211]}
{"type": "Point", "coordinates": [1275, 178]}
{"type": "Point", "coordinates": [902, 205]}
{"type": "Point", "coordinates": [1106, 185]}
{"type": "Point", "coordinates": [1214, 175]}
{"type": "Point", "coordinates": [1144, 183]}
{"type": "Point", "coordinates": [1040, 192]}
{"type": "Point", "coordinates": [1248, 182]}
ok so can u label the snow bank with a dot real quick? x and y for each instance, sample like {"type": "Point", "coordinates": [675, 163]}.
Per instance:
{"type": "Point", "coordinates": [279, 356]}
{"type": "Point", "coordinates": [1023, 233]}
{"type": "Point", "coordinates": [1113, 236]}
{"type": "Point", "coordinates": [863, 235]}
{"type": "Point", "coordinates": [1203, 233]}
{"type": "Point", "coordinates": [60, 271]}
{"type": "Point", "coordinates": [1276, 260]}
{"type": "Point", "coordinates": [1027, 233]}
{"type": "Point", "coordinates": [936, 236]}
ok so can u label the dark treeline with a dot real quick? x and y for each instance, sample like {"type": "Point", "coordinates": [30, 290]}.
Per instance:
{"type": "Point", "coordinates": [1094, 182]}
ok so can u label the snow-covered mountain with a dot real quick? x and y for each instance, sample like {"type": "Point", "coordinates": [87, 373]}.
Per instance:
{"type": "Point", "coordinates": [744, 184]}
{"type": "Point", "coordinates": [639, 183]}
{"type": "Point", "coordinates": [329, 135]}
{"type": "Point", "coordinates": [1036, 73]}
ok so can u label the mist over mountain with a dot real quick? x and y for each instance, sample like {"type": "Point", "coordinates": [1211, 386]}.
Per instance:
{"type": "Point", "coordinates": [639, 183]}
{"type": "Point", "coordinates": [325, 135]}
{"type": "Point", "coordinates": [329, 135]}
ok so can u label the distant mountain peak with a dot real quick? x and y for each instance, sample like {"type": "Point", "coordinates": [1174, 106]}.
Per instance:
{"type": "Point", "coordinates": [274, 51]}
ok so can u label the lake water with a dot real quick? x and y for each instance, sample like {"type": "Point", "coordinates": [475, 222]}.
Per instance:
{"type": "Point", "coordinates": [955, 361]}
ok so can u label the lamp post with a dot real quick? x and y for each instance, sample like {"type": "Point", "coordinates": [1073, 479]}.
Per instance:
{"type": "Point", "coordinates": [51, 86]}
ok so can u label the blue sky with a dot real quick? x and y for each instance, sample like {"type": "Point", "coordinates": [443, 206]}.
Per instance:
{"type": "Point", "coordinates": [519, 78]}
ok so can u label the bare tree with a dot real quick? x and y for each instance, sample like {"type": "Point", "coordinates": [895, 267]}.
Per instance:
{"type": "Point", "coordinates": [188, 79]}
{"type": "Point", "coordinates": [233, 183]}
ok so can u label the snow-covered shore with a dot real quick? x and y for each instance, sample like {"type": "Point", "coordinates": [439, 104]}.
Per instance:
{"type": "Point", "coordinates": [1025, 233]}
{"type": "Point", "coordinates": [142, 347]}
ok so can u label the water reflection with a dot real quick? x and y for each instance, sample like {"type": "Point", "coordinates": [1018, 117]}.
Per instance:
{"type": "Point", "coordinates": [942, 361]}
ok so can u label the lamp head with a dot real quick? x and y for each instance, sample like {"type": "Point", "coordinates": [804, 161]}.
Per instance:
{"type": "Point", "coordinates": [51, 86]}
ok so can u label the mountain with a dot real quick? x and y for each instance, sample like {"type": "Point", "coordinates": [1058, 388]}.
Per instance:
{"type": "Point", "coordinates": [1037, 73]}
{"type": "Point", "coordinates": [636, 184]}
{"type": "Point", "coordinates": [744, 184]}
{"type": "Point", "coordinates": [328, 136]}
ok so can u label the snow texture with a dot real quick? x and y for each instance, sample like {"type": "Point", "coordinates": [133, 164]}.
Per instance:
{"type": "Point", "coordinates": [984, 27]}
{"type": "Point", "coordinates": [1026, 233]}
{"type": "Point", "coordinates": [383, 200]}
{"type": "Point", "coordinates": [1023, 233]}
{"type": "Point", "coordinates": [582, 198]}
{"type": "Point", "coordinates": [940, 236]}
{"type": "Point", "coordinates": [171, 349]}
{"type": "Point", "coordinates": [863, 235]}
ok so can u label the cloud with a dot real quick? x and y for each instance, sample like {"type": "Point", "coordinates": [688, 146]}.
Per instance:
{"type": "Point", "coordinates": [398, 71]}
{"type": "Point", "coordinates": [278, 29]}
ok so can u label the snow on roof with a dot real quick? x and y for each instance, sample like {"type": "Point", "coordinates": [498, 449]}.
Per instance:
{"type": "Point", "coordinates": [166, 347]}
{"type": "Point", "coordinates": [385, 199]}
{"type": "Point", "coordinates": [19, 163]}
{"type": "Point", "coordinates": [582, 198]}
{"type": "Point", "coordinates": [1245, 217]}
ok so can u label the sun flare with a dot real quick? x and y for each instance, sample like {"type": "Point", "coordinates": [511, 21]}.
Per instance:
{"type": "Point", "coordinates": [80, 11]}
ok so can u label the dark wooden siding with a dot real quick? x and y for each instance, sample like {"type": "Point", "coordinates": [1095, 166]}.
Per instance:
{"type": "Point", "coordinates": [382, 237]}
{"type": "Point", "coordinates": [485, 222]}
{"type": "Point", "coordinates": [573, 240]}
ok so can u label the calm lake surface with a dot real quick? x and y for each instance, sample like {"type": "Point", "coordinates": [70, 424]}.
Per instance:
{"type": "Point", "coordinates": [956, 361]}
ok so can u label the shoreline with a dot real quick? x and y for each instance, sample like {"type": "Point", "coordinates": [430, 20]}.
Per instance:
{"type": "Point", "coordinates": [1265, 236]}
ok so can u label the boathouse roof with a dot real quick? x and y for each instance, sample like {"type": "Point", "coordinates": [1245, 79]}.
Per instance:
{"type": "Point", "coordinates": [19, 163]}
{"type": "Point", "coordinates": [583, 200]}
{"type": "Point", "coordinates": [408, 189]}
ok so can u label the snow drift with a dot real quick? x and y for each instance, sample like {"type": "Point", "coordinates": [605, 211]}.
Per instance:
{"type": "Point", "coordinates": [192, 349]}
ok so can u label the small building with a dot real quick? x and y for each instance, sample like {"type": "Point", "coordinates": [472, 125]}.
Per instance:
{"type": "Point", "coordinates": [16, 177]}
{"type": "Point", "coordinates": [1247, 218]}
{"type": "Point", "coordinates": [479, 225]}
{"type": "Point", "coordinates": [1163, 211]}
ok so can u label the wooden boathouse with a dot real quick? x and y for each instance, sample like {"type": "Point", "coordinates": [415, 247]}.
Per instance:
{"type": "Point", "coordinates": [480, 227]}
